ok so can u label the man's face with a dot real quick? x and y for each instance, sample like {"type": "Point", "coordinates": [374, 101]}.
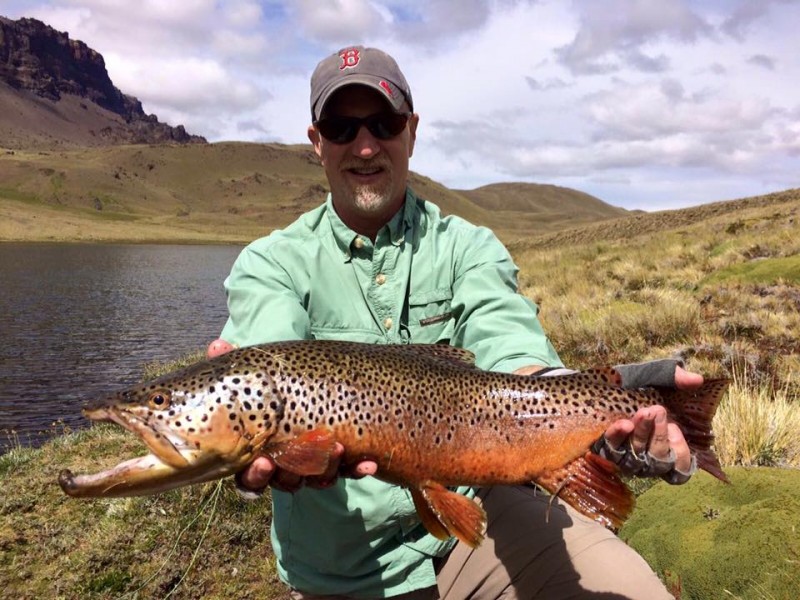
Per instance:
{"type": "Point", "coordinates": [367, 175]}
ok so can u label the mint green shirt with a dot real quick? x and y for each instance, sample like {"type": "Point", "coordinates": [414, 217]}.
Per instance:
{"type": "Point", "coordinates": [425, 279]}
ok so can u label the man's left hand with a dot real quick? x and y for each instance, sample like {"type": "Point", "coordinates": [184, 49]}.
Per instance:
{"type": "Point", "coordinates": [650, 431]}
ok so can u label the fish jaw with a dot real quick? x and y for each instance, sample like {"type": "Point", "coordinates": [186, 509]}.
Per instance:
{"type": "Point", "coordinates": [172, 463]}
{"type": "Point", "coordinates": [159, 444]}
{"type": "Point", "coordinates": [141, 476]}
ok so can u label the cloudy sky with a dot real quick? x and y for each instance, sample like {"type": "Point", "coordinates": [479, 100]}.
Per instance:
{"type": "Point", "coordinates": [647, 104]}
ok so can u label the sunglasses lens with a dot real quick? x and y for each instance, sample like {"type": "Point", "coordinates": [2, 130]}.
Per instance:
{"type": "Point", "coordinates": [339, 130]}
{"type": "Point", "coordinates": [343, 130]}
{"type": "Point", "coordinates": [385, 126]}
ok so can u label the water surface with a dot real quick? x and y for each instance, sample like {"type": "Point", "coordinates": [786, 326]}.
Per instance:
{"type": "Point", "coordinates": [79, 320]}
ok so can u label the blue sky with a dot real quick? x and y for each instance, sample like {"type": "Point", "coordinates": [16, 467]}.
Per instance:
{"type": "Point", "coordinates": [644, 103]}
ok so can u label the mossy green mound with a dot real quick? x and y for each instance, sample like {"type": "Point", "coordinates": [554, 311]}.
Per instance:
{"type": "Point", "coordinates": [766, 270]}
{"type": "Point", "coordinates": [711, 540]}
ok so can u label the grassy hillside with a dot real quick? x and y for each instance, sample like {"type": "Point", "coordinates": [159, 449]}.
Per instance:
{"type": "Point", "coordinates": [552, 207]}
{"type": "Point", "coordinates": [214, 192]}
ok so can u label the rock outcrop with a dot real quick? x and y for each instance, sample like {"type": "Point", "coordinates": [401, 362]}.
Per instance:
{"type": "Point", "coordinates": [37, 60]}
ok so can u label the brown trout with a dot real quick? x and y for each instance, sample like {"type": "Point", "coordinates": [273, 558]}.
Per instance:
{"type": "Point", "coordinates": [424, 413]}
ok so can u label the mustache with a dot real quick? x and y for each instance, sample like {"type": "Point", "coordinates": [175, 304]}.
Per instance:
{"type": "Point", "coordinates": [367, 164]}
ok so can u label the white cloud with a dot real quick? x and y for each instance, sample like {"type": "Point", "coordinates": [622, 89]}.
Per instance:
{"type": "Point", "coordinates": [187, 84]}
{"type": "Point", "coordinates": [342, 22]}
{"type": "Point", "coordinates": [615, 33]}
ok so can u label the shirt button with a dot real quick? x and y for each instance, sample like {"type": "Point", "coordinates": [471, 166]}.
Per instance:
{"type": "Point", "coordinates": [358, 243]}
{"type": "Point", "coordinates": [387, 323]}
{"type": "Point", "coordinates": [380, 279]}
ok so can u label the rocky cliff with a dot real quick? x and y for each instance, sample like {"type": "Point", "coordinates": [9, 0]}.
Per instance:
{"type": "Point", "coordinates": [45, 69]}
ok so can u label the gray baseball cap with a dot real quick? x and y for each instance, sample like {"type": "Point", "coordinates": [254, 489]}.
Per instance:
{"type": "Point", "coordinates": [358, 65]}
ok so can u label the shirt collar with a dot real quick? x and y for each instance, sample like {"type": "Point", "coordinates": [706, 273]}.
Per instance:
{"type": "Point", "coordinates": [395, 232]}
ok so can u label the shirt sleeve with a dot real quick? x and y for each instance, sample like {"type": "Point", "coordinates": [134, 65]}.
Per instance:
{"type": "Point", "coordinates": [493, 320]}
{"type": "Point", "coordinates": [263, 305]}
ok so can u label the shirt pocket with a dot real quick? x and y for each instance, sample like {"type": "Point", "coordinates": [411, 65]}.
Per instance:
{"type": "Point", "coordinates": [430, 316]}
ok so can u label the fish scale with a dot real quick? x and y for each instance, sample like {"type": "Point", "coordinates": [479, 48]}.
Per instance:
{"type": "Point", "coordinates": [424, 413]}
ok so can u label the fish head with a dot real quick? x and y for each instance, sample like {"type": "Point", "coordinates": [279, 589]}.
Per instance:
{"type": "Point", "coordinates": [192, 422]}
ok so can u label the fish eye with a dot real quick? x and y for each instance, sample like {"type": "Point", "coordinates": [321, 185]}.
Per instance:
{"type": "Point", "coordinates": [159, 400]}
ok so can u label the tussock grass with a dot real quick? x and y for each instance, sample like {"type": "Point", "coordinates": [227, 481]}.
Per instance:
{"type": "Point", "coordinates": [758, 425]}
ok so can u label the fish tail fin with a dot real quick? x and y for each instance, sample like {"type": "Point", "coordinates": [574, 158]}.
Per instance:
{"type": "Point", "coordinates": [592, 486]}
{"type": "Point", "coordinates": [445, 513]}
{"type": "Point", "coordinates": [693, 410]}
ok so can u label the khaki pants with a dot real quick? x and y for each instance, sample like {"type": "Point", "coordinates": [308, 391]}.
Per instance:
{"type": "Point", "coordinates": [524, 557]}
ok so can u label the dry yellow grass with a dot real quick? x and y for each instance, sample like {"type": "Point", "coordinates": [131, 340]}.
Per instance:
{"type": "Point", "coordinates": [758, 425]}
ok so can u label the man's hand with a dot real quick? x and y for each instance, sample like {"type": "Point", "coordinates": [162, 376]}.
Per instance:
{"type": "Point", "coordinates": [649, 429]}
{"type": "Point", "coordinates": [648, 444]}
{"type": "Point", "coordinates": [263, 471]}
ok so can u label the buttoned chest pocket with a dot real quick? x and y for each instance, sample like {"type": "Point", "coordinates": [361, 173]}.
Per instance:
{"type": "Point", "coordinates": [430, 316]}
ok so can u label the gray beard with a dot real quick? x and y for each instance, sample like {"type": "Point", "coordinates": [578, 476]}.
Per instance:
{"type": "Point", "coordinates": [371, 199]}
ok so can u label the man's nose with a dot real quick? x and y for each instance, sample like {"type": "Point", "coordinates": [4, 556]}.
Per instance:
{"type": "Point", "coordinates": [365, 145]}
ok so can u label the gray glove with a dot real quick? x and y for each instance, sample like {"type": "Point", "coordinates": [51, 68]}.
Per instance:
{"type": "Point", "coordinates": [631, 463]}
{"type": "Point", "coordinates": [653, 373]}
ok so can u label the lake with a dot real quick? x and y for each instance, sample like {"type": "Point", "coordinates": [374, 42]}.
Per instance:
{"type": "Point", "coordinates": [79, 320]}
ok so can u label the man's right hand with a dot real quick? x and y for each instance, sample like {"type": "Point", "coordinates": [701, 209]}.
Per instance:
{"type": "Point", "coordinates": [263, 471]}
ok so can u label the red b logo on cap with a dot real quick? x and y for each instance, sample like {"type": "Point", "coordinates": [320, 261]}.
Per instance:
{"type": "Point", "coordinates": [350, 58]}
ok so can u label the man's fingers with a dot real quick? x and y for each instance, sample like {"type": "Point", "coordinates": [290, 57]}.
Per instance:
{"type": "Point", "coordinates": [643, 425]}
{"type": "Point", "coordinates": [659, 438]}
{"type": "Point", "coordinates": [286, 481]}
{"type": "Point", "coordinates": [618, 432]}
{"type": "Point", "coordinates": [328, 478]}
{"type": "Point", "coordinates": [258, 474]}
{"type": "Point", "coordinates": [359, 469]}
{"type": "Point", "coordinates": [685, 380]}
{"type": "Point", "coordinates": [364, 468]}
{"type": "Point", "coordinates": [218, 347]}
{"type": "Point", "coordinates": [683, 455]}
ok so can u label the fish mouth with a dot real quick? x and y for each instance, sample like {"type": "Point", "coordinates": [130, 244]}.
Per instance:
{"type": "Point", "coordinates": [165, 468]}
{"type": "Point", "coordinates": [160, 445]}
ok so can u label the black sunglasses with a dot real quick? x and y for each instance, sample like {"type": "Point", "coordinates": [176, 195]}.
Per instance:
{"type": "Point", "coordinates": [343, 130]}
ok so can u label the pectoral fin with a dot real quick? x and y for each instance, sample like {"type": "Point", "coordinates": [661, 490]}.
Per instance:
{"type": "Point", "coordinates": [307, 454]}
{"type": "Point", "coordinates": [445, 513]}
{"type": "Point", "coordinates": [592, 486]}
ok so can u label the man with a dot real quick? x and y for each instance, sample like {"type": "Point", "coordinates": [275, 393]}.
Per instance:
{"type": "Point", "coordinates": [376, 264]}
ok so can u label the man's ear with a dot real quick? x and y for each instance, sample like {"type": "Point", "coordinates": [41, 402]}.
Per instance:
{"type": "Point", "coordinates": [412, 132]}
{"type": "Point", "coordinates": [314, 137]}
